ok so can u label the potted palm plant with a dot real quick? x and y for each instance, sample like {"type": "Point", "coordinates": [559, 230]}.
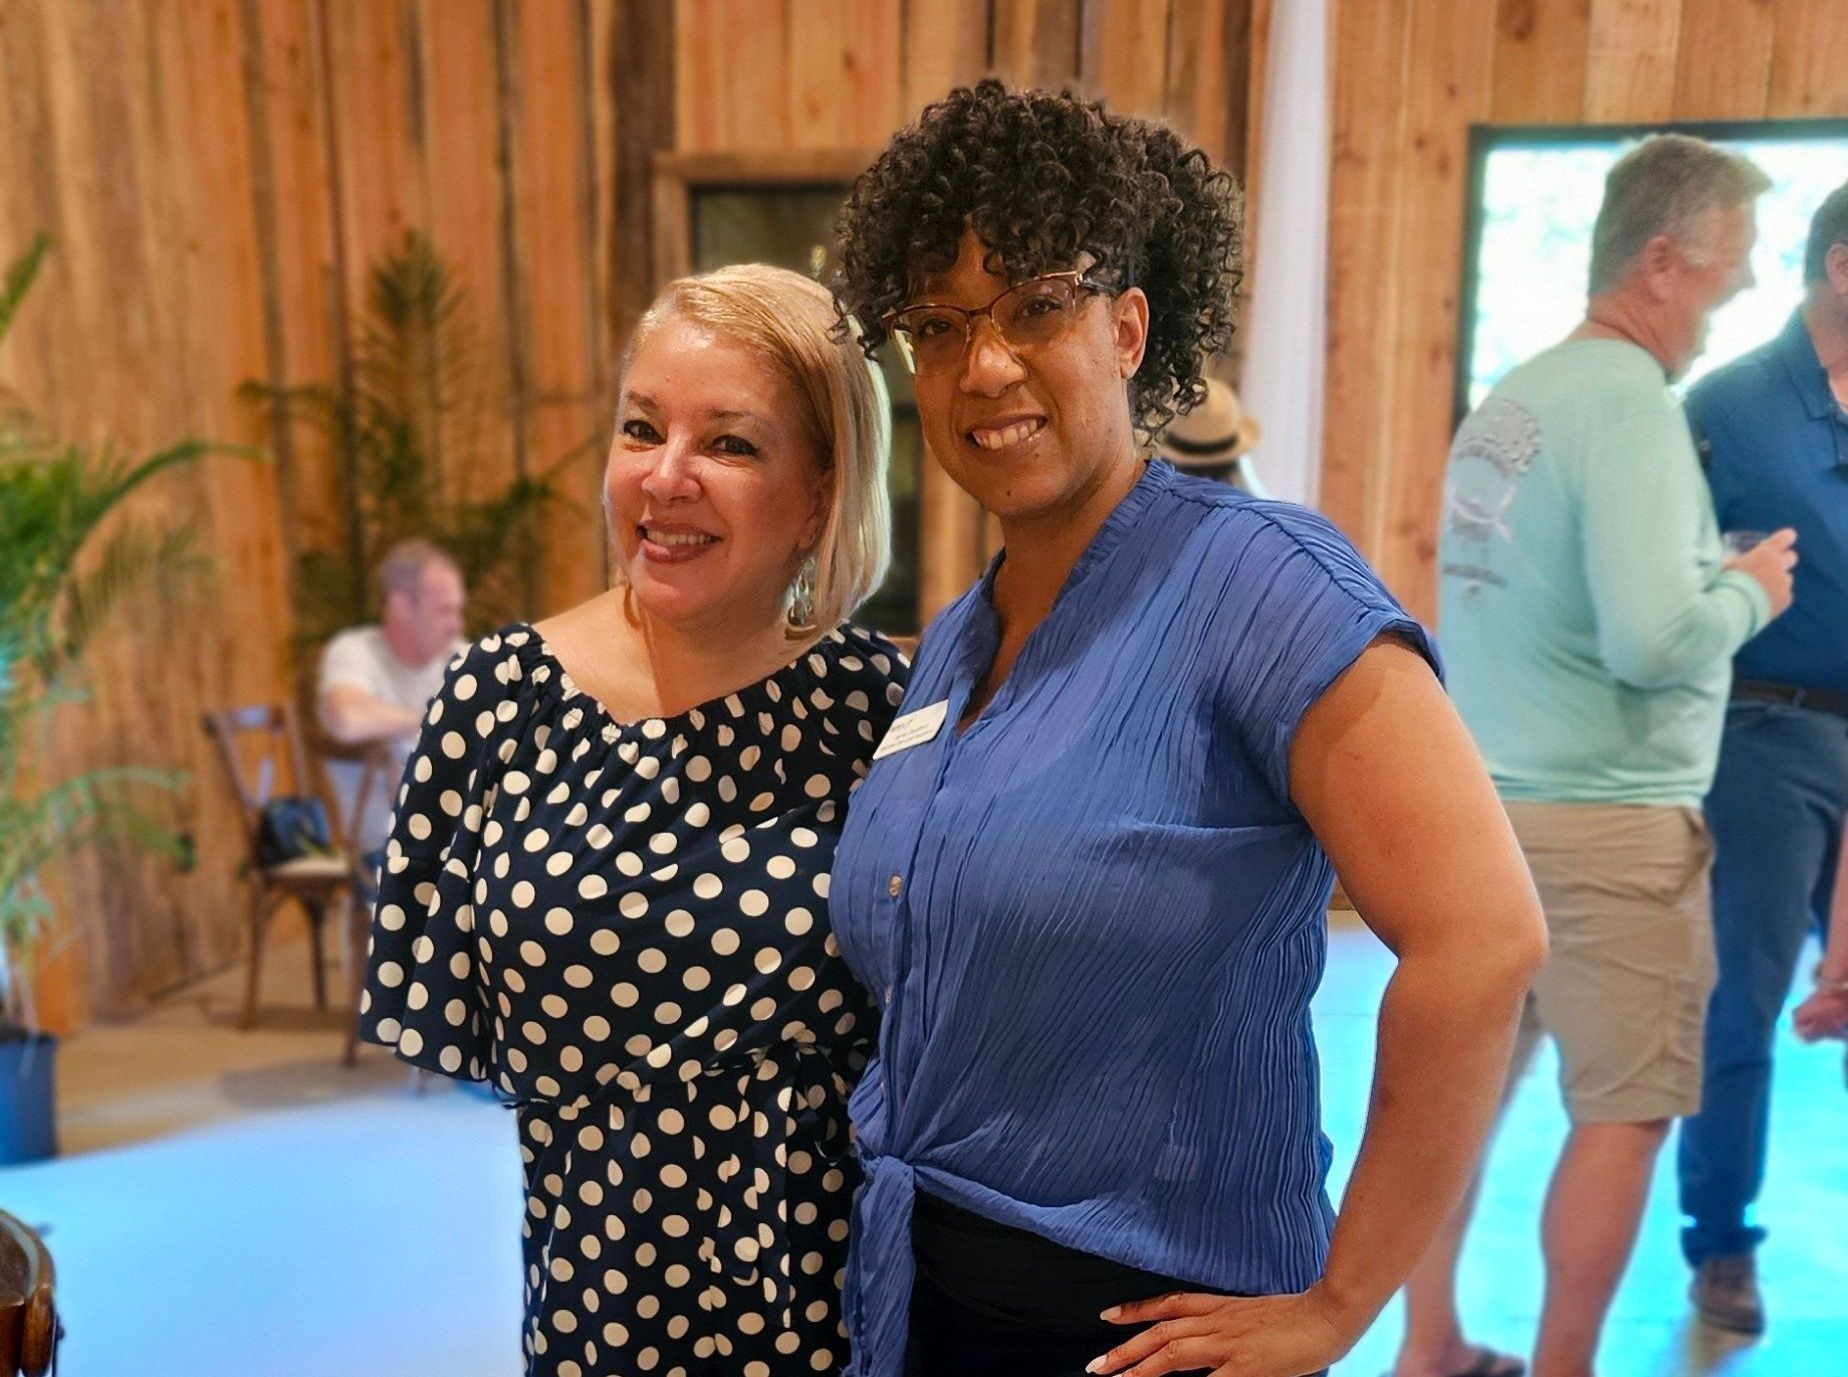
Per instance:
{"type": "Point", "coordinates": [59, 581]}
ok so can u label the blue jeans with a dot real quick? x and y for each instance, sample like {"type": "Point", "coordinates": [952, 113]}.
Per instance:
{"type": "Point", "coordinates": [1776, 814]}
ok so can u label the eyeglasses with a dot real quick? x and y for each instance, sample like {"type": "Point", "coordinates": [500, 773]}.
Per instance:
{"type": "Point", "coordinates": [1027, 316]}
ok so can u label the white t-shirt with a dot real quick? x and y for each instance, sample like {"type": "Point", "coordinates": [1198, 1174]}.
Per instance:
{"type": "Point", "coordinates": [362, 658]}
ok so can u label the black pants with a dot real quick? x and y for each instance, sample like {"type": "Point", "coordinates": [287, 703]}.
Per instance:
{"type": "Point", "coordinates": [995, 1301]}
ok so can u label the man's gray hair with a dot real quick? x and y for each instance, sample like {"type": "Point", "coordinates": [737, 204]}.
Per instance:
{"type": "Point", "coordinates": [1668, 184]}
{"type": "Point", "coordinates": [401, 571]}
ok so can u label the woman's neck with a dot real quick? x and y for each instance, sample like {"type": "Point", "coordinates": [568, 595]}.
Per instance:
{"type": "Point", "coordinates": [695, 663]}
{"type": "Point", "coordinates": [642, 666]}
{"type": "Point", "coordinates": [1042, 549]}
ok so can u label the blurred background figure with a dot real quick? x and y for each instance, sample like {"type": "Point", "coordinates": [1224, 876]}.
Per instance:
{"type": "Point", "coordinates": [377, 680]}
{"type": "Point", "coordinates": [1774, 440]}
{"type": "Point", "coordinates": [1215, 440]}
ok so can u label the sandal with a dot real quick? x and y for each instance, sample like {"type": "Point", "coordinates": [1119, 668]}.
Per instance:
{"type": "Point", "coordinates": [1489, 1363]}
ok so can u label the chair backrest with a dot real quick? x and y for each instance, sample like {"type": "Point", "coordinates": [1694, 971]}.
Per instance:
{"type": "Point", "coordinates": [254, 743]}
{"type": "Point", "coordinates": [375, 777]}
{"type": "Point", "coordinates": [28, 1317]}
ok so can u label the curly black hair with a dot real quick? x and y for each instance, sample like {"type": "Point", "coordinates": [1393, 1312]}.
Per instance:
{"type": "Point", "coordinates": [1042, 177]}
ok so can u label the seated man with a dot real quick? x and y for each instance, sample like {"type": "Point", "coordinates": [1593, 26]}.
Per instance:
{"type": "Point", "coordinates": [377, 681]}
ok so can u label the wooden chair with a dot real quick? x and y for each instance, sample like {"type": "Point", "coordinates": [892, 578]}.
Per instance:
{"type": "Point", "coordinates": [261, 737]}
{"type": "Point", "coordinates": [29, 1329]}
{"type": "Point", "coordinates": [376, 777]}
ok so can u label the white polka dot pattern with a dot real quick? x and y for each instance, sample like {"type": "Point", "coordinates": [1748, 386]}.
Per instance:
{"type": "Point", "coordinates": [618, 927]}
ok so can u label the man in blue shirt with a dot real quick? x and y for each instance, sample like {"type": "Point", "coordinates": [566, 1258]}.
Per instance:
{"type": "Point", "coordinates": [1773, 435]}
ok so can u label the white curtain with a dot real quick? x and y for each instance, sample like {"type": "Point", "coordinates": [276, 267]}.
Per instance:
{"type": "Point", "coordinates": [1287, 327]}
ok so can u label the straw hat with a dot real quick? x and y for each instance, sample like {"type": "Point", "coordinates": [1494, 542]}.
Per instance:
{"type": "Point", "coordinates": [1213, 434]}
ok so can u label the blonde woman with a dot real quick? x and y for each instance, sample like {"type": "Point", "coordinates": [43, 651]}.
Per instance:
{"type": "Point", "coordinates": [606, 889]}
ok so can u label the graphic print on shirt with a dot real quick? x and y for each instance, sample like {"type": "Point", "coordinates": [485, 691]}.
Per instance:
{"type": "Point", "coordinates": [1494, 449]}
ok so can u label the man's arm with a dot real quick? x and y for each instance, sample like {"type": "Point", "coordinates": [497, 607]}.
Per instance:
{"type": "Point", "coordinates": [1661, 620]}
{"type": "Point", "coordinates": [350, 712]}
{"type": "Point", "coordinates": [352, 716]}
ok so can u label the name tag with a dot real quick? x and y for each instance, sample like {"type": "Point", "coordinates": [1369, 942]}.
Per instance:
{"type": "Point", "coordinates": [913, 729]}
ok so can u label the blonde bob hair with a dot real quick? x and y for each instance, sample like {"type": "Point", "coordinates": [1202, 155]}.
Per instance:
{"type": "Point", "coordinates": [846, 417]}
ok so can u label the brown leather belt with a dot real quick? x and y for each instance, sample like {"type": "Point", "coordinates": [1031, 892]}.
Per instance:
{"type": "Point", "coordinates": [1763, 691]}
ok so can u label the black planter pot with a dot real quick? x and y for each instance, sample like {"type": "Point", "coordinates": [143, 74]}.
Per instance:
{"type": "Point", "coordinates": [28, 1102]}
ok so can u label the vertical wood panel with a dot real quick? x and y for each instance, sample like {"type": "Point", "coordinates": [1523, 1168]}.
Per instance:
{"type": "Point", "coordinates": [239, 624]}
{"type": "Point", "coordinates": [31, 203]}
{"type": "Point", "coordinates": [756, 71]}
{"type": "Point", "coordinates": [480, 448]}
{"type": "Point", "coordinates": [555, 333]}
{"type": "Point", "coordinates": [602, 174]}
{"type": "Point", "coordinates": [1368, 137]}
{"type": "Point", "coordinates": [1809, 68]}
{"type": "Point", "coordinates": [376, 121]}
{"type": "Point", "coordinates": [1037, 42]}
{"type": "Point", "coordinates": [1248, 39]}
{"type": "Point", "coordinates": [700, 85]}
{"type": "Point", "coordinates": [875, 73]}
{"type": "Point", "coordinates": [1125, 53]}
{"type": "Point", "coordinates": [40, 72]}
{"type": "Point", "coordinates": [1630, 70]}
{"type": "Point", "coordinates": [946, 44]}
{"type": "Point", "coordinates": [818, 51]}
{"type": "Point", "coordinates": [295, 219]}
{"type": "Point", "coordinates": [1723, 63]}
{"type": "Point", "coordinates": [1541, 50]}
{"type": "Point", "coordinates": [1245, 45]}
{"type": "Point", "coordinates": [1197, 79]}
{"type": "Point", "coordinates": [1452, 53]}
{"type": "Point", "coordinates": [633, 73]}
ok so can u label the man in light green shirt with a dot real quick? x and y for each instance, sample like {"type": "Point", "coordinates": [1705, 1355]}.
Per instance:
{"type": "Point", "coordinates": [1588, 622]}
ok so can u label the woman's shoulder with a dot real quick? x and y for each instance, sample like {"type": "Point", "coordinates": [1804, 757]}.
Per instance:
{"type": "Point", "coordinates": [495, 666]}
{"type": "Point", "coordinates": [1298, 547]}
{"type": "Point", "coordinates": [860, 658]}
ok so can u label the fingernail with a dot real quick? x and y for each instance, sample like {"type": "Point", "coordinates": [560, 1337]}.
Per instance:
{"type": "Point", "coordinates": [1111, 1313]}
{"type": "Point", "coordinates": [1095, 1365]}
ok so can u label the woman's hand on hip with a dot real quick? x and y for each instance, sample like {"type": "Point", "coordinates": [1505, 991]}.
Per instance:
{"type": "Point", "coordinates": [1230, 1336]}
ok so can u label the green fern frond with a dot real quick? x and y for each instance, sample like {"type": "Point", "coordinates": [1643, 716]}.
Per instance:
{"type": "Point", "coordinates": [134, 559]}
{"type": "Point", "coordinates": [18, 280]}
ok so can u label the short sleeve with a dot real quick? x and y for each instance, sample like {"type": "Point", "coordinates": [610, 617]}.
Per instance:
{"type": "Point", "coordinates": [345, 662]}
{"type": "Point", "coordinates": [1298, 606]}
{"type": "Point", "coordinates": [423, 996]}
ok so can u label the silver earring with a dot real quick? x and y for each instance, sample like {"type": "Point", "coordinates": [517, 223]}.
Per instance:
{"type": "Point", "coordinates": [801, 612]}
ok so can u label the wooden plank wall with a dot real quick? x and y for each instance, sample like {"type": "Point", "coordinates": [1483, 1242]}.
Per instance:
{"type": "Point", "coordinates": [221, 174]}
{"type": "Point", "coordinates": [1409, 77]}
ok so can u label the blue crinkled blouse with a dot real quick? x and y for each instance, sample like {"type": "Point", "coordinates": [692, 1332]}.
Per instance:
{"type": "Point", "coordinates": [1095, 918]}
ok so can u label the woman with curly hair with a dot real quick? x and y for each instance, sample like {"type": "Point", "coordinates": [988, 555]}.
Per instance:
{"type": "Point", "coordinates": [1087, 877]}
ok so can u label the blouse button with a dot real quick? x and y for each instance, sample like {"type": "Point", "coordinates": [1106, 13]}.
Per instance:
{"type": "Point", "coordinates": [888, 996]}
{"type": "Point", "coordinates": [894, 885]}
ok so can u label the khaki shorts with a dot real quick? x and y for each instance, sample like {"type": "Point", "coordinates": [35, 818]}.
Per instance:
{"type": "Point", "coordinates": [1625, 888]}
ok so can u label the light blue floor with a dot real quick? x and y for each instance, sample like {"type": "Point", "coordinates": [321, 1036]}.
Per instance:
{"type": "Point", "coordinates": [372, 1237]}
{"type": "Point", "coordinates": [378, 1235]}
{"type": "Point", "coordinates": [1803, 1268]}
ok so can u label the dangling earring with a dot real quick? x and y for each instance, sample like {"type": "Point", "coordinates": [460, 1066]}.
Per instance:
{"type": "Point", "coordinates": [801, 613]}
